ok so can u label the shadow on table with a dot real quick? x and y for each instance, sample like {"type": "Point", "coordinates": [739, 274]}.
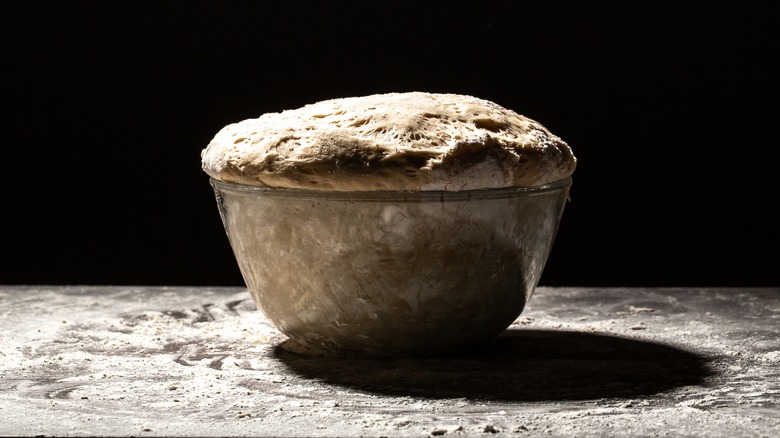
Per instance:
{"type": "Point", "coordinates": [519, 365]}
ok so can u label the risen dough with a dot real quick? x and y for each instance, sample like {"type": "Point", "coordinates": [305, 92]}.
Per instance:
{"type": "Point", "coordinates": [398, 141]}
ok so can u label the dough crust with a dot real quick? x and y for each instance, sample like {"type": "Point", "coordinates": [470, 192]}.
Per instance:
{"type": "Point", "coordinates": [397, 141]}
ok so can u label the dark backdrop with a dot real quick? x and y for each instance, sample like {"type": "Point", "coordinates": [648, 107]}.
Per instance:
{"type": "Point", "coordinates": [670, 108]}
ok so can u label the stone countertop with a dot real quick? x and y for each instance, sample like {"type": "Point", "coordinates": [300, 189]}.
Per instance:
{"type": "Point", "coordinates": [203, 361]}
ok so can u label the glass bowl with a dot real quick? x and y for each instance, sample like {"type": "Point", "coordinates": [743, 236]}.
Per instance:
{"type": "Point", "coordinates": [416, 273]}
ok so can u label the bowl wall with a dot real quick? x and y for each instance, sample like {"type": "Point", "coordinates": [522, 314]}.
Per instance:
{"type": "Point", "coordinates": [392, 272]}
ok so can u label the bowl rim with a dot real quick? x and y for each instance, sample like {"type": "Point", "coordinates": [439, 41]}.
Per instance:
{"type": "Point", "coordinates": [391, 195]}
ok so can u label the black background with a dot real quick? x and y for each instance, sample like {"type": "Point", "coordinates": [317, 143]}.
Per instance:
{"type": "Point", "coordinates": [670, 108]}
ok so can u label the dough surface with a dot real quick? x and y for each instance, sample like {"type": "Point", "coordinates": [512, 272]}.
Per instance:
{"type": "Point", "coordinates": [398, 141]}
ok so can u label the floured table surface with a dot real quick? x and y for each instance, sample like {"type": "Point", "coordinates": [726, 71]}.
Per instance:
{"type": "Point", "coordinates": [186, 361]}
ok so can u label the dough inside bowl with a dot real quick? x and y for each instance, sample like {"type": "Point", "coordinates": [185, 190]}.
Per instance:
{"type": "Point", "coordinates": [398, 273]}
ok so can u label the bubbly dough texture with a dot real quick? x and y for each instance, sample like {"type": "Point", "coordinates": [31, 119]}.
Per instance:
{"type": "Point", "coordinates": [398, 141]}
